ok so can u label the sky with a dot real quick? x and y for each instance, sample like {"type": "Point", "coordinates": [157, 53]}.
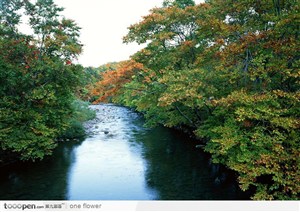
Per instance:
{"type": "Point", "coordinates": [104, 23]}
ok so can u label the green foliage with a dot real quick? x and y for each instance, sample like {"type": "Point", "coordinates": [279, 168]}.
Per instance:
{"type": "Point", "coordinates": [228, 70]}
{"type": "Point", "coordinates": [178, 3]}
{"type": "Point", "coordinates": [81, 114]}
{"type": "Point", "coordinates": [37, 78]}
{"type": "Point", "coordinates": [257, 136]}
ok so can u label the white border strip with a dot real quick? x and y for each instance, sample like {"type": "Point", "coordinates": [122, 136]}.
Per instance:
{"type": "Point", "coordinates": [249, 206]}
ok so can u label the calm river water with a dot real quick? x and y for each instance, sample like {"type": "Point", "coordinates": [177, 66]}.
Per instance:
{"type": "Point", "coordinates": [121, 160]}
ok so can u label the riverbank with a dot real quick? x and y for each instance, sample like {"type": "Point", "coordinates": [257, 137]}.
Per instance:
{"type": "Point", "coordinates": [75, 131]}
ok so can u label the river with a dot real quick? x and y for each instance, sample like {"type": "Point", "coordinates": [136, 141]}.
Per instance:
{"type": "Point", "coordinates": [121, 160]}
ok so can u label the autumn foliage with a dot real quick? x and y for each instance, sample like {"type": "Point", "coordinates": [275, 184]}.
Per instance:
{"type": "Point", "coordinates": [112, 81]}
{"type": "Point", "coordinates": [229, 72]}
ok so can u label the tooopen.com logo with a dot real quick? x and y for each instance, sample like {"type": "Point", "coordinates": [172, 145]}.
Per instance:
{"type": "Point", "coordinates": [19, 206]}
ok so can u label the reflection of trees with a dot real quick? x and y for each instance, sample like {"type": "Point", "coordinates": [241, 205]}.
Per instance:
{"type": "Point", "coordinates": [178, 171]}
{"type": "Point", "coordinates": [45, 180]}
{"type": "Point", "coordinates": [175, 169]}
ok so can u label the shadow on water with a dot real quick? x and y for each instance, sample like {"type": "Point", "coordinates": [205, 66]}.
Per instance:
{"type": "Point", "coordinates": [121, 160]}
{"type": "Point", "coordinates": [179, 171]}
{"type": "Point", "coordinates": [44, 180]}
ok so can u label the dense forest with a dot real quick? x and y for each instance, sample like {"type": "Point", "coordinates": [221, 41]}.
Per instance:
{"type": "Point", "coordinates": [226, 72]}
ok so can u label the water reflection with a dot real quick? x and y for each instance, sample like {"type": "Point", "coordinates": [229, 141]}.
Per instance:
{"type": "Point", "coordinates": [41, 180]}
{"type": "Point", "coordinates": [179, 171]}
{"type": "Point", "coordinates": [121, 160]}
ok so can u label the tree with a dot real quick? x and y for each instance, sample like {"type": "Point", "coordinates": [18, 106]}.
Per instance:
{"type": "Point", "coordinates": [171, 33]}
{"type": "Point", "coordinates": [178, 3]}
{"type": "Point", "coordinates": [37, 79]}
{"type": "Point", "coordinates": [254, 129]}
{"type": "Point", "coordinates": [113, 80]}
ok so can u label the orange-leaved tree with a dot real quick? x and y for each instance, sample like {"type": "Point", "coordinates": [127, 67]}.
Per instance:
{"type": "Point", "coordinates": [112, 81]}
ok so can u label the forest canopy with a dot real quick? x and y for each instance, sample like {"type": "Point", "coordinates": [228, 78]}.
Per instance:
{"type": "Point", "coordinates": [228, 71]}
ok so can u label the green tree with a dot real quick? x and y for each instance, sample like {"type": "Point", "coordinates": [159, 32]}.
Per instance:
{"type": "Point", "coordinates": [171, 33]}
{"type": "Point", "coordinates": [37, 78]}
{"type": "Point", "coordinates": [178, 3]}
